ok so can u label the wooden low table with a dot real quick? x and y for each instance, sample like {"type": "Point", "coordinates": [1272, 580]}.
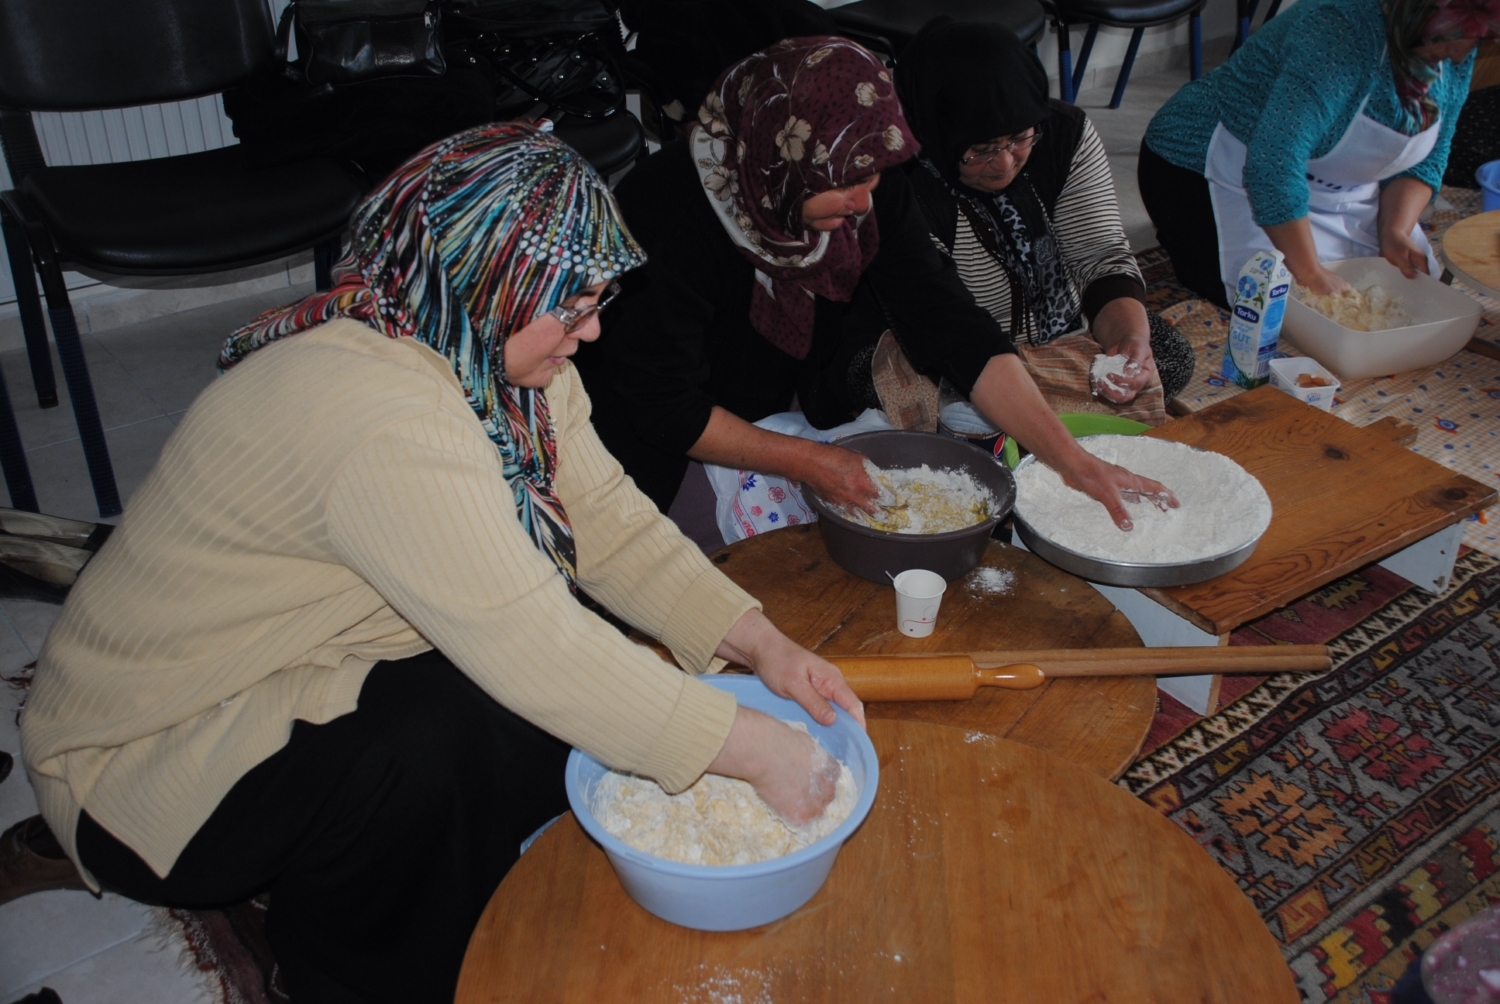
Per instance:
{"type": "Point", "coordinates": [1471, 250]}
{"type": "Point", "coordinates": [1098, 723]}
{"type": "Point", "coordinates": [1342, 497]}
{"type": "Point", "coordinates": [986, 871]}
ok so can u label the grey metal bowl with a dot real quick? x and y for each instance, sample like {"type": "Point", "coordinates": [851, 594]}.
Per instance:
{"type": "Point", "coordinates": [873, 554]}
{"type": "Point", "coordinates": [1129, 573]}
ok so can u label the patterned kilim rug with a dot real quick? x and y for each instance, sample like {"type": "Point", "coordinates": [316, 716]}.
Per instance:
{"type": "Point", "coordinates": [1359, 811]}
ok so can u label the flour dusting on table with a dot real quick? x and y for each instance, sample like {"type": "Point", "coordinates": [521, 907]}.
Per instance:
{"type": "Point", "coordinates": [1222, 506]}
{"type": "Point", "coordinates": [718, 821]}
{"type": "Point", "coordinates": [991, 581]}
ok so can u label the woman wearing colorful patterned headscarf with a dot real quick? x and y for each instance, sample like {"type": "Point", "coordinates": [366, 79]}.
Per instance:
{"type": "Point", "coordinates": [779, 257]}
{"type": "Point", "coordinates": [337, 648]}
{"type": "Point", "coordinates": [1323, 137]}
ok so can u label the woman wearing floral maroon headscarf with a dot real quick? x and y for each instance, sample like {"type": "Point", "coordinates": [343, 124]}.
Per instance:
{"type": "Point", "coordinates": [775, 247]}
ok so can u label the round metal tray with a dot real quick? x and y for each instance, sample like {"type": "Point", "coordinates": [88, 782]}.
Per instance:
{"type": "Point", "coordinates": [1129, 573]}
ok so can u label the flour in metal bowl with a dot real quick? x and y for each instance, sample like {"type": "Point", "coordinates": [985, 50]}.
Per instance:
{"type": "Point", "coordinates": [920, 500]}
{"type": "Point", "coordinates": [1221, 506]}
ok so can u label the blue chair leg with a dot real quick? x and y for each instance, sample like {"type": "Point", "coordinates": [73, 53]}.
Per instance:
{"type": "Point", "coordinates": [38, 352]}
{"type": "Point", "coordinates": [1064, 64]}
{"type": "Point", "coordinates": [80, 387]}
{"type": "Point", "coordinates": [1195, 46]}
{"type": "Point", "coordinates": [13, 457]}
{"type": "Point", "coordinates": [324, 256]}
{"type": "Point", "coordinates": [1135, 44]}
{"type": "Point", "coordinates": [1083, 56]}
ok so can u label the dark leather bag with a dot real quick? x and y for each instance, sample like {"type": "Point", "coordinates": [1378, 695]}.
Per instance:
{"type": "Point", "coordinates": [562, 53]}
{"type": "Point", "coordinates": [349, 41]}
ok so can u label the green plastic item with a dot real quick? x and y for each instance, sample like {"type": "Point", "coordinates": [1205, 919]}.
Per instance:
{"type": "Point", "coordinates": [1080, 423]}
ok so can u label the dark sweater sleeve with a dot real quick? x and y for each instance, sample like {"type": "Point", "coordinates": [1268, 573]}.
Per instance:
{"type": "Point", "coordinates": [652, 351]}
{"type": "Point", "coordinates": [940, 327]}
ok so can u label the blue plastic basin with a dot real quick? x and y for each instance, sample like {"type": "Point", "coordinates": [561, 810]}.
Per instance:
{"type": "Point", "coordinates": [1488, 177]}
{"type": "Point", "coordinates": [734, 897]}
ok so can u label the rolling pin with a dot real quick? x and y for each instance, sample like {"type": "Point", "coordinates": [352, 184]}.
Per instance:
{"type": "Point", "coordinates": [959, 677]}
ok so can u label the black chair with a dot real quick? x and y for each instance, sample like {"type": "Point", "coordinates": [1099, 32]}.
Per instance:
{"type": "Point", "coordinates": [1246, 14]}
{"type": "Point", "coordinates": [888, 25]}
{"type": "Point", "coordinates": [196, 213]}
{"type": "Point", "coordinates": [1138, 15]}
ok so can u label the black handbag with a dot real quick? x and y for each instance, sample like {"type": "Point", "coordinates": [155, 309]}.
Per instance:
{"type": "Point", "coordinates": [561, 53]}
{"type": "Point", "coordinates": [348, 41]}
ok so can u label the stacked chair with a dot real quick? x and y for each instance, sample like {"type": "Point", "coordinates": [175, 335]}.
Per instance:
{"type": "Point", "coordinates": [195, 213]}
{"type": "Point", "coordinates": [1137, 15]}
{"type": "Point", "coordinates": [887, 25]}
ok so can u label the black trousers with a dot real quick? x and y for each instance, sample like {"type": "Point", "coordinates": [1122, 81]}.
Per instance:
{"type": "Point", "coordinates": [1179, 205]}
{"type": "Point", "coordinates": [380, 835]}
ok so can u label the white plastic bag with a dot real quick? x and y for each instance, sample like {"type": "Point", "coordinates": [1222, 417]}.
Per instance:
{"type": "Point", "coordinates": [749, 502]}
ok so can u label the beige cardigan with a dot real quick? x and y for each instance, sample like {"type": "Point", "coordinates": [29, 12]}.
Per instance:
{"type": "Point", "coordinates": [331, 502]}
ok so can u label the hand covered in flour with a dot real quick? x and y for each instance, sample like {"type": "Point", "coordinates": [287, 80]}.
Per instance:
{"type": "Point", "coordinates": [1123, 329]}
{"type": "Point", "coordinates": [794, 775]}
{"type": "Point", "coordinates": [1320, 280]}
{"type": "Point", "coordinates": [838, 476]}
{"type": "Point", "coordinates": [1113, 487]}
{"type": "Point", "coordinates": [789, 670]}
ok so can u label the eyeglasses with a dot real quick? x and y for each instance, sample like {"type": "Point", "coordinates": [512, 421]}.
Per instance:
{"type": "Point", "coordinates": [1015, 147]}
{"type": "Point", "coordinates": [571, 318]}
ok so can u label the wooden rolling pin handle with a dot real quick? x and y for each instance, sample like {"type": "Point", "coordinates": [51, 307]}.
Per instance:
{"type": "Point", "coordinates": [936, 678]}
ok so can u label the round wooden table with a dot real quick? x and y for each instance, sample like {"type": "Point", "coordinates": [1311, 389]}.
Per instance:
{"type": "Point", "coordinates": [1097, 723]}
{"type": "Point", "coordinates": [986, 871]}
{"type": "Point", "coordinates": [1471, 250]}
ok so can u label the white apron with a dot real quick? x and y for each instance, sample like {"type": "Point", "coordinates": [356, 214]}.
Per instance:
{"type": "Point", "coordinates": [1343, 194]}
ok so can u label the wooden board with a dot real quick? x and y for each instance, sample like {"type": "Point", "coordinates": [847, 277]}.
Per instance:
{"type": "Point", "coordinates": [1342, 497]}
{"type": "Point", "coordinates": [1097, 723]}
{"type": "Point", "coordinates": [1471, 248]}
{"type": "Point", "coordinates": [986, 871]}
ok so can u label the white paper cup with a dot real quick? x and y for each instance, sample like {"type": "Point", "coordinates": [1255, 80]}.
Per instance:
{"type": "Point", "coordinates": [918, 595]}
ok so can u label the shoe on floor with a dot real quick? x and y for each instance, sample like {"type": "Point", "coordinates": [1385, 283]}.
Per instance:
{"type": "Point", "coordinates": [46, 995]}
{"type": "Point", "coordinates": [68, 532]}
{"type": "Point", "coordinates": [31, 860]}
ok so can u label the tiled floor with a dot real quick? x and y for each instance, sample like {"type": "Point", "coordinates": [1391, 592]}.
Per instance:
{"type": "Point", "coordinates": [145, 376]}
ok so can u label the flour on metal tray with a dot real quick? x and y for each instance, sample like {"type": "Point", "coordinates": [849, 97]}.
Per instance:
{"type": "Point", "coordinates": [1222, 507]}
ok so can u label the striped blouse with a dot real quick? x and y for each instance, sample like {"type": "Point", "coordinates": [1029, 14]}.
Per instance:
{"type": "Point", "coordinates": [1086, 223]}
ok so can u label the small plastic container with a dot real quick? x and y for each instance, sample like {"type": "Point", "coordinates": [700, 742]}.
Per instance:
{"type": "Point", "coordinates": [1488, 177]}
{"type": "Point", "coordinates": [919, 593]}
{"type": "Point", "coordinates": [1284, 373]}
{"type": "Point", "coordinates": [734, 897]}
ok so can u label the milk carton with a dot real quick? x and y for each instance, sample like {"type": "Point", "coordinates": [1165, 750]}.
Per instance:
{"type": "Point", "coordinates": [1257, 309]}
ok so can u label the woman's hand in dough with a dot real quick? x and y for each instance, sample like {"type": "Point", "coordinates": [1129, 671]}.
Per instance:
{"type": "Point", "coordinates": [1112, 486]}
{"type": "Point", "coordinates": [789, 670]}
{"type": "Point", "coordinates": [1321, 281]}
{"type": "Point", "coordinates": [838, 476]}
{"type": "Point", "coordinates": [1401, 251]}
{"type": "Point", "coordinates": [795, 776]}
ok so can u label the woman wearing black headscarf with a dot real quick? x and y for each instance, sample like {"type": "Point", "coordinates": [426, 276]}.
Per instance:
{"type": "Point", "coordinates": [1017, 190]}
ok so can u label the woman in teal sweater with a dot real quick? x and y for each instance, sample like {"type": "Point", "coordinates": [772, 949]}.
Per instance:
{"type": "Point", "coordinates": [1324, 137]}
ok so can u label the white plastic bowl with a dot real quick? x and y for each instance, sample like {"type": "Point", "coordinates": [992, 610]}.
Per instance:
{"type": "Point", "coordinates": [1284, 373]}
{"type": "Point", "coordinates": [734, 897]}
{"type": "Point", "coordinates": [1443, 321]}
